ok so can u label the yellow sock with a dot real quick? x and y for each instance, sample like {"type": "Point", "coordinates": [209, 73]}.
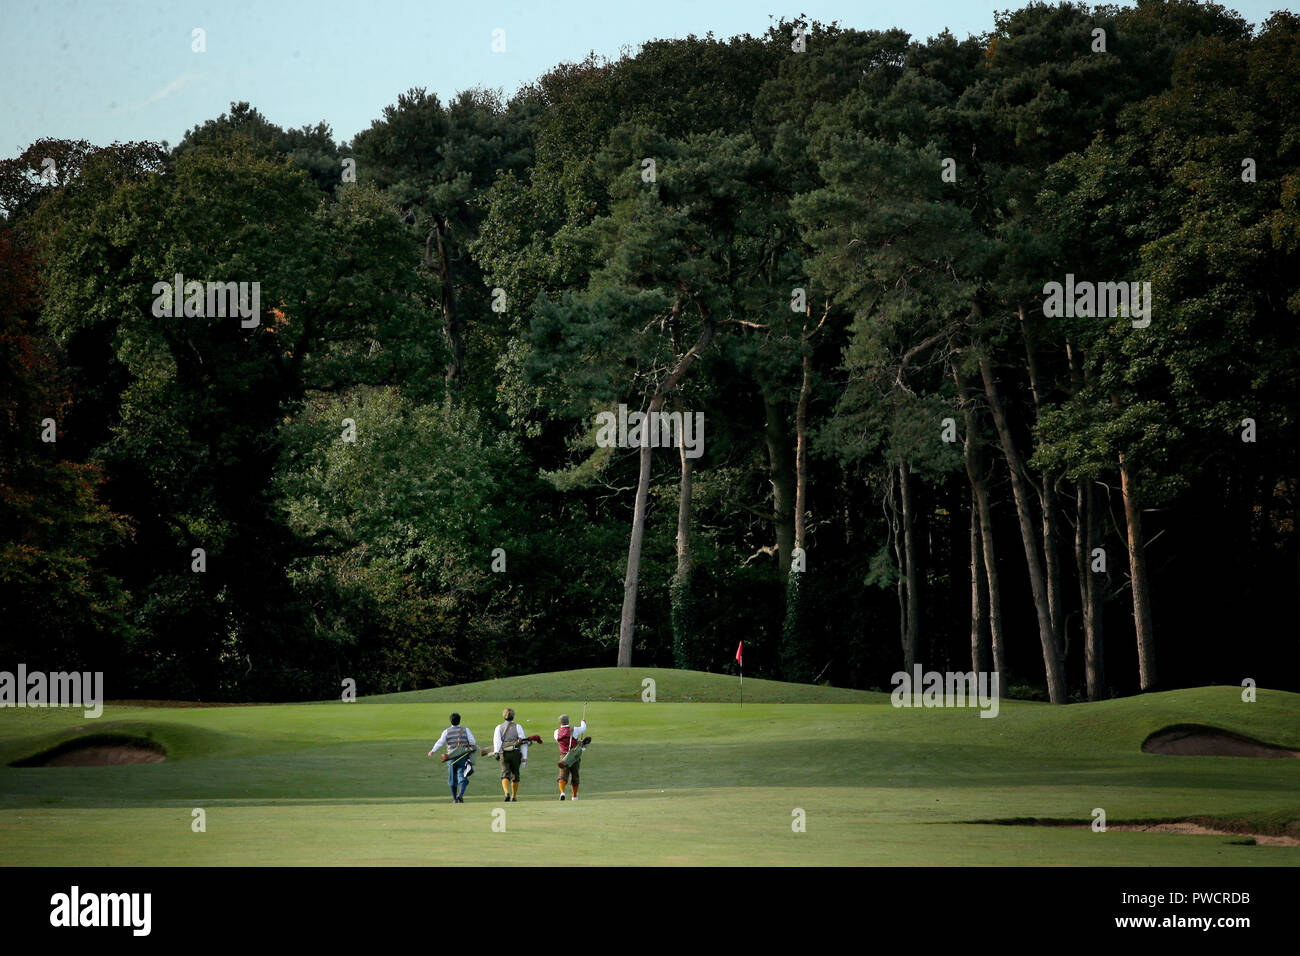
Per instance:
{"type": "Point", "coordinates": [505, 786]}
{"type": "Point", "coordinates": [575, 791]}
{"type": "Point", "coordinates": [514, 788]}
{"type": "Point", "coordinates": [563, 785]}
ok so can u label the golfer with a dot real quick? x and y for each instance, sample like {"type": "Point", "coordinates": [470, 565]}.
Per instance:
{"type": "Point", "coordinates": [509, 742]}
{"type": "Point", "coordinates": [569, 738]}
{"type": "Point", "coordinates": [457, 739]}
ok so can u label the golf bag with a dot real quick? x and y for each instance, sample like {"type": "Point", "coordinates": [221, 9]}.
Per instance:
{"type": "Point", "coordinates": [534, 739]}
{"type": "Point", "coordinates": [462, 753]}
{"type": "Point", "coordinates": [575, 753]}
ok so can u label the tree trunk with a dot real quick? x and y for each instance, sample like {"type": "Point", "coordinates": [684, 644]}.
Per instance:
{"type": "Point", "coordinates": [801, 454]}
{"type": "Point", "coordinates": [911, 627]}
{"type": "Point", "coordinates": [684, 636]}
{"type": "Point", "coordinates": [1051, 553]}
{"type": "Point", "coordinates": [1052, 661]}
{"type": "Point", "coordinates": [974, 456]}
{"type": "Point", "coordinates": [1088, 537]}
{"type": "Point", "coordinates": [896, 539]}
{"type": "Point", "coordinates": [795, 646]}
{"type": "Point", "coordinates": [1046, 495]}
{"type": "Point", "coordinates": [1137, 564]}
{"type": "Point", "coordinates": [978, 611]}
{"type": "Point", "coordinates": [782, 476]}
{"type": "Point", "coordinates": [450, 316]}
{"type": "Point", "coordinates": [684, 516]}
{"type": "Point", "coordinates": [1089, 532]}
{"type": "Point", "coordinates": [627, 620]}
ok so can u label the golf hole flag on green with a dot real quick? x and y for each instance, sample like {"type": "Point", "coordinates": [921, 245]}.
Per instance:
{"type": "Point", "coordinates": [740, 662]}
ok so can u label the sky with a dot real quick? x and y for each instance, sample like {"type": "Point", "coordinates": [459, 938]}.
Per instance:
{"type": "Point", "coordinates": [118, 70]}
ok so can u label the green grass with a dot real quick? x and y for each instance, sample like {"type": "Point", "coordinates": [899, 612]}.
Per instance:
{"type": "Point", "coordinates": [627, 684]}
{"type": "Point", "coordinates": [703, 782]}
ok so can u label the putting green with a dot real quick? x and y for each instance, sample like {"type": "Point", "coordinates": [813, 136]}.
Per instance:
{"type": "Point", "coordinates": [669, 782]}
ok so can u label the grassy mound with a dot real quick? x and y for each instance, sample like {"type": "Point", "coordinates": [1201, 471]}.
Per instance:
{"type": "Point", "coordinates": [627, 684]}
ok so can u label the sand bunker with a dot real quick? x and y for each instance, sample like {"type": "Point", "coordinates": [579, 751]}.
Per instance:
{"type": "Point", "coordinates": [1241, 833]}
{"type": "Point", "coordinates": [1195, 740]}
{"type": "Point", "coordinates": [1186, 826]}
{"type": "Point", "coordinates": [97, 752]}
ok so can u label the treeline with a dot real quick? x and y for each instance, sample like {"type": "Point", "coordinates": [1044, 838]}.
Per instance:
{"type": "Point", "coordinates": [836, 244]}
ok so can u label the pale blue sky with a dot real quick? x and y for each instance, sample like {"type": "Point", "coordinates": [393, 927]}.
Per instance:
{"type": "Point", "coordinates": [106, 71]}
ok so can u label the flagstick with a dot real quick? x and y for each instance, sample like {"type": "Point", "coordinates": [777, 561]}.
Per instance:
{"type": "Point", "coordinates": [740, 663]}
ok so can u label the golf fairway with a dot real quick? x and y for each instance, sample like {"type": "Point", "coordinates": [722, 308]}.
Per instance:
{"type": "Point", "coordinates": [692, 778]}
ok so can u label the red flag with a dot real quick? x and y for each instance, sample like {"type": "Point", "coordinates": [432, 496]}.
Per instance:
{"type": "Point", "coordinates": [740, 647]}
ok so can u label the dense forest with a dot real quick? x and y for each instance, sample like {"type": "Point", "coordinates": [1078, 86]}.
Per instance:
{"type": "Point", "coordinates": [993, 342]}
